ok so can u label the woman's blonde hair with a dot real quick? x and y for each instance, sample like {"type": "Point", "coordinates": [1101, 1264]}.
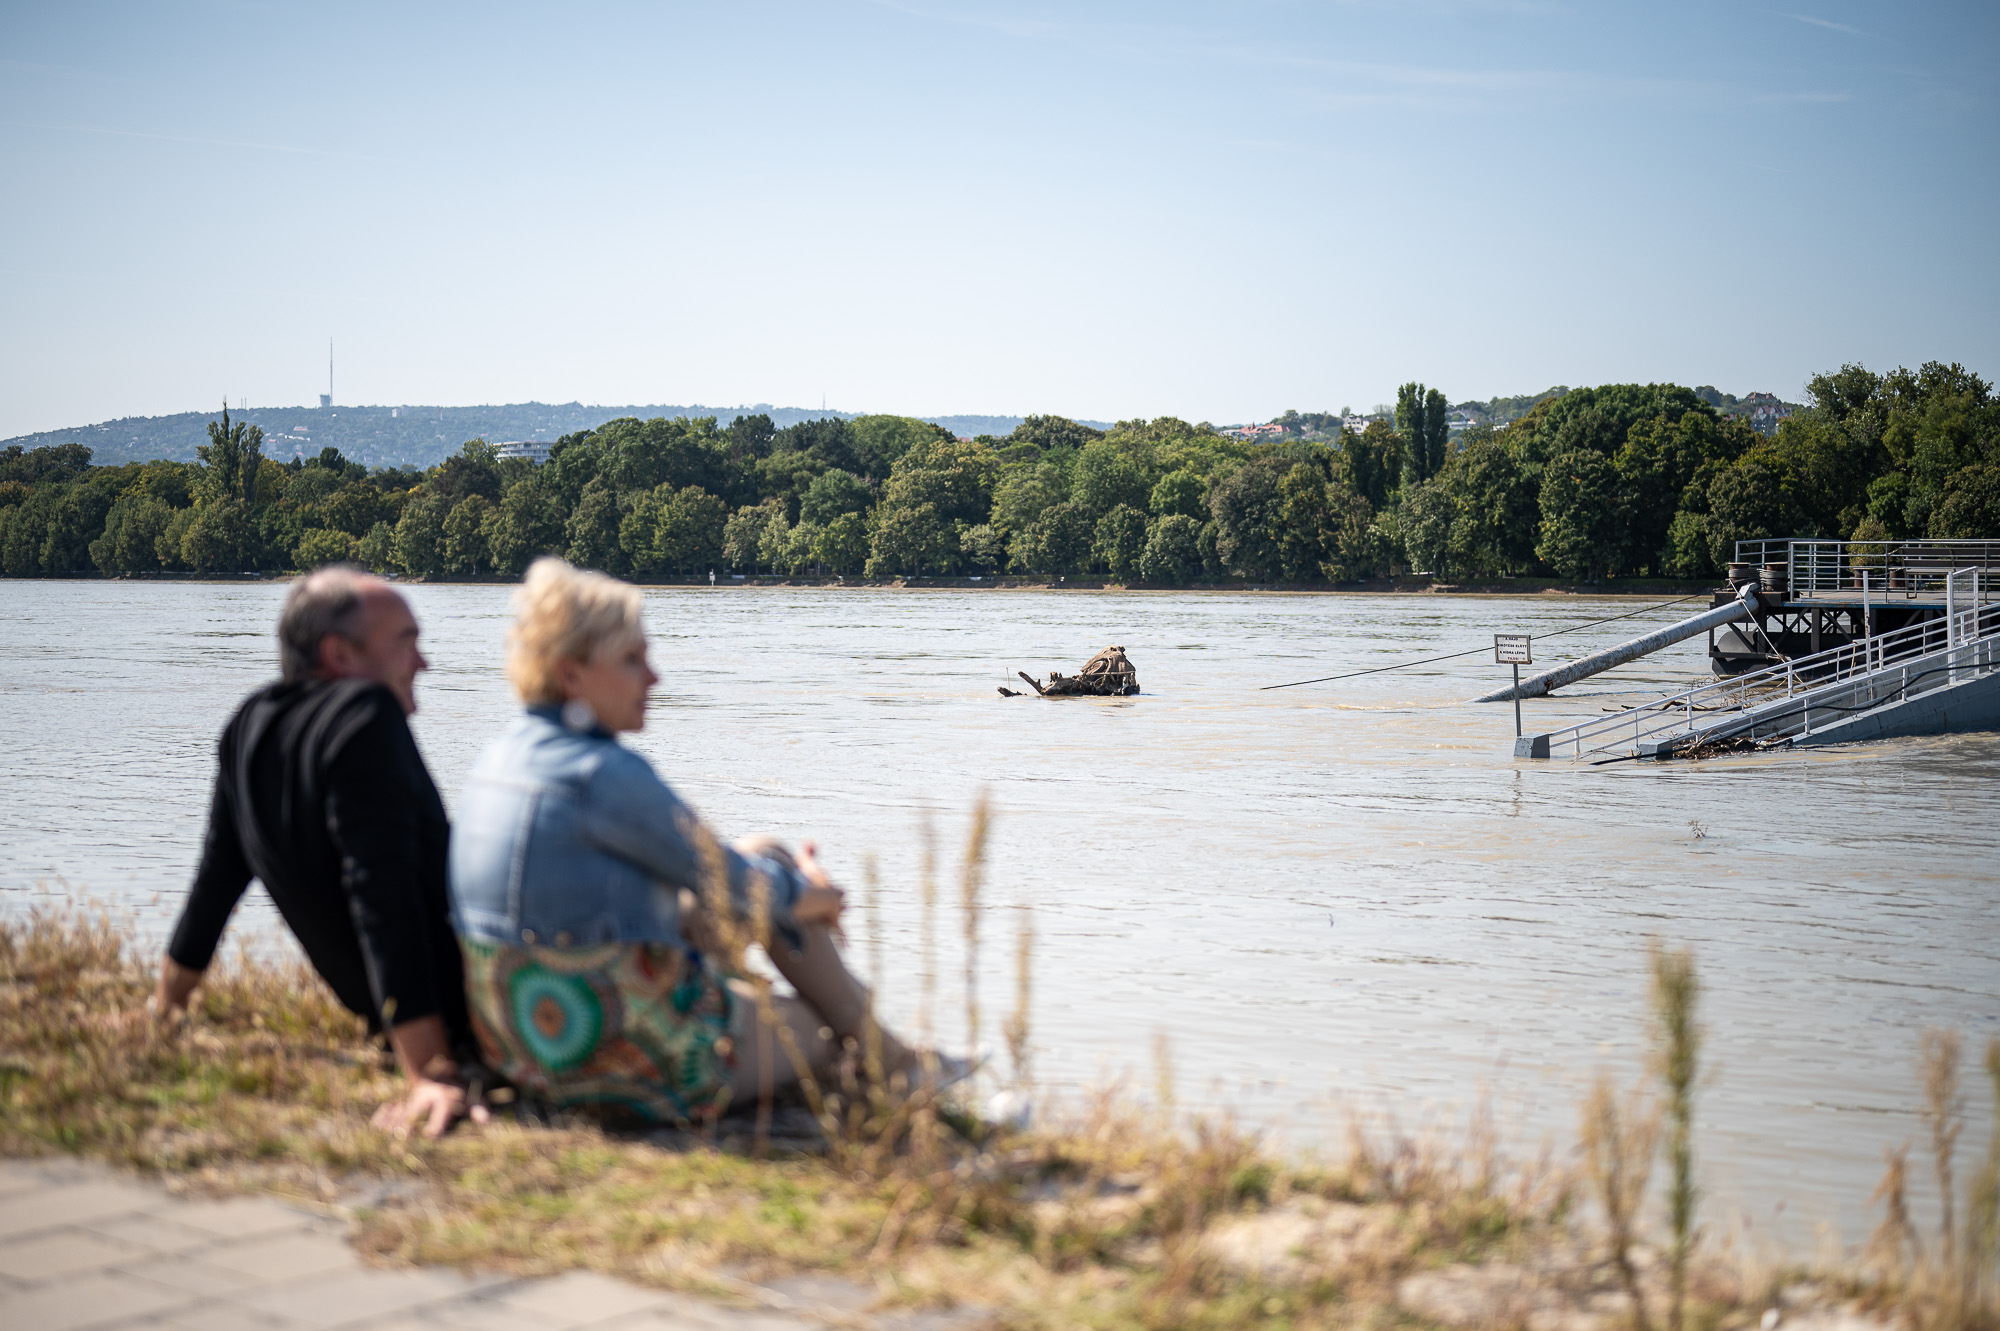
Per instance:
{"type": "Point", "coordinates": [565, 613]}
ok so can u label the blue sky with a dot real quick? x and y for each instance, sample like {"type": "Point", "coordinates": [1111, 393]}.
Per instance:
{"type": "Point", "coordinates": [1110, 210]}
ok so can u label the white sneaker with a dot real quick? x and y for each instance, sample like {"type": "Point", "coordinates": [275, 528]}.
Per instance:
{"type": "Point", "coordinates": [1010, 1110]}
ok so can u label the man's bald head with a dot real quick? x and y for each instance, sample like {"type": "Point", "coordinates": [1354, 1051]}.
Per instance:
{"type": "Point", "coordinates": [340, 622]}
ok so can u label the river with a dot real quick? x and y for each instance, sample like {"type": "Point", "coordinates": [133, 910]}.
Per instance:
{"type": "Point", "coordinates": [1340, 898]}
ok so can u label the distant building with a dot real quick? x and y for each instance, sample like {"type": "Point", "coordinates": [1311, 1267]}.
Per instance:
{"type": "Point", "coordinates": [1354, 424]}
{"type": "Point", "coordinates": [1763, 411]}
{"type": "Point", "coordinates": [535, 452]}
{"type": "Point", "coordinates": [325, 401]}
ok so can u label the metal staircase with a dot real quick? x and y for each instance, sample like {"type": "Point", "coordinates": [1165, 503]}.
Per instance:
{"type": "Point", "coordinates": [1795, 700]}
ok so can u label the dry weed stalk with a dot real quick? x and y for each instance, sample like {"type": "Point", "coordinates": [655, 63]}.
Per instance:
{"type": "Point", "coordinates": [1894, 1248]}
{"type": "Point", "coordinates": [1676, 1055]}
{"type": "Point", "coordinates": [1955, 1285]}
{"type": "Point", "coordinates": [1939, 1051]}
{"type": "Point", "coordinates": [1018, 1019]}
{"type": "Point", "coordinates": [1618, 1144]}
{"type": "Point", "coordinates": [971, 880]}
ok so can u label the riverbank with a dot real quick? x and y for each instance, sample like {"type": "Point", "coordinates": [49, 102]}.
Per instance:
{"type": "Point", "coordinates": [1651, 588]}
{"type": "Point", "coordinates": [1111, 1216]}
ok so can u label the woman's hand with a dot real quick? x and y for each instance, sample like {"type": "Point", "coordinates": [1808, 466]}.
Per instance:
{"type": "Point", "coordinates": [821, 902]}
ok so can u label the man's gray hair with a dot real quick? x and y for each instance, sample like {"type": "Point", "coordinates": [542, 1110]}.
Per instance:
{"type": "Point", "coordinates": [325, 601]}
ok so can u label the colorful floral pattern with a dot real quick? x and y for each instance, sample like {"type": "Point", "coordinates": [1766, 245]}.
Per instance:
{"type": "Point", "coordinates": [637, 1026]}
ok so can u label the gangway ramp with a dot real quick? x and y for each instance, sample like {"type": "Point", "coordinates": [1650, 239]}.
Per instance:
{"type": "Point", "coordinates": [1938, 675]}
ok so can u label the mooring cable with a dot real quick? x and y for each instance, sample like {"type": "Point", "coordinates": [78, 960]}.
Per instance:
{"type": "Point", "coordinates": [1474, 651]}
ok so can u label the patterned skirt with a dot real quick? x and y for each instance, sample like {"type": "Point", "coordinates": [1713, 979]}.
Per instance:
{"type": "Point", "coordinates": [638, 1027]}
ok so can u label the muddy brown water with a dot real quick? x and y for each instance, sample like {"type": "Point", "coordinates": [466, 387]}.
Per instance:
{"type": "Point", "coordinates": [1333, 899]}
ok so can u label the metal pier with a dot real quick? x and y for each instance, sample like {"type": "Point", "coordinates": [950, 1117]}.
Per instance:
{"type": "Point", "coordinates": [1938, 674]}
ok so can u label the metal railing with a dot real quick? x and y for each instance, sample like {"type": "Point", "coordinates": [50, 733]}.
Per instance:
{"type": "Point", "coordinates": [1893, 568]}
{"type": "Point", "coordinates": [1932, 653]}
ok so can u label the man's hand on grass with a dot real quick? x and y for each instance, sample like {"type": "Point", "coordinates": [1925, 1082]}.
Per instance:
{"type": "Point", "coordinates": [170, 996]}
{"type": "Point", "coordinates": [431, 1107]}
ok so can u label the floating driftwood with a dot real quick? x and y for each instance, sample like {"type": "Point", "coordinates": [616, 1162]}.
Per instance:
{"type": "Point", "coordinates": [1105, 675]}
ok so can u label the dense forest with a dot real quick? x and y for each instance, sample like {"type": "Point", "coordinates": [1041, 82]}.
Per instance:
{"type": "Point", "coordinates": [1618, 480]}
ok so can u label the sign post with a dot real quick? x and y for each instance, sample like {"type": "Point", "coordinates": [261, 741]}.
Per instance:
{"type": "Point", "coordinates": [1513, 649]}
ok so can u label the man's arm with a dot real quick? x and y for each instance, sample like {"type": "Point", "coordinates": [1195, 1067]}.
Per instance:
{"type": "Point", "coordinates": [219, 883]}
{"type": "Point", "coordinates": [374, 789]}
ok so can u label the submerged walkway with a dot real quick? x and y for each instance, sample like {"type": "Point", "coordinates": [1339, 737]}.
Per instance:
{"type": "Point", "coordinates": [85, 1249]}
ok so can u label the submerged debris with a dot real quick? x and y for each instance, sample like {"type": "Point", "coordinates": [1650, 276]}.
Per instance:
{"type": "Point", "coordinates": [1105, 675]}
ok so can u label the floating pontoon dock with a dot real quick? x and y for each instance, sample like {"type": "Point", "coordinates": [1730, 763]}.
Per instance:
{"type": "Point", "coordinates": [1847, 641]}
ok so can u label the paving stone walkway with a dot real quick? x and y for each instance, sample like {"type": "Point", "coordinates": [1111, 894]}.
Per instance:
{"type": "Point", "coordinates": [85, 1249]}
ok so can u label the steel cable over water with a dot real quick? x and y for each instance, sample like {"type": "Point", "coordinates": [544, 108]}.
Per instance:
{"type": "Point", "coordinates": [1474, 651]}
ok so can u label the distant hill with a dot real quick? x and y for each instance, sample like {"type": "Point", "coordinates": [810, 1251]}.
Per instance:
{"type": "Point", "coordinates": [409, 436]}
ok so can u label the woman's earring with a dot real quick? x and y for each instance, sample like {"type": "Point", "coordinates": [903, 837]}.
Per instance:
{"type": "Point", "coordinates": [578, 715]}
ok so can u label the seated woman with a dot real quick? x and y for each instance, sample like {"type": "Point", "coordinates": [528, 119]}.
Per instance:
{"type": "Point", "coordinates": [583, 892]}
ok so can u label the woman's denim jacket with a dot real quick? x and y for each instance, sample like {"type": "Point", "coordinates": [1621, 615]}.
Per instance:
{"type": "Point", "coordinates": [567, 838]}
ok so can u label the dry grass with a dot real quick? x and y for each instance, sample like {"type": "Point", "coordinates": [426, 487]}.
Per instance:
{"type": "Point", "coordinates": [1109, 1216]}
{"type": "Point", "coordinates": [1952, 1284]}
{"type": "Point", "coordinates": [1104, 1219]}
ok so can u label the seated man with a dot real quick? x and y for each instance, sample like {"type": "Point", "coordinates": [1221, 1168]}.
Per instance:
{"type": "Point", "coordinates": [321, 794]}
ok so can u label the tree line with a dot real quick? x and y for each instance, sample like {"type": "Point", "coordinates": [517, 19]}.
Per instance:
{"type": "Point", "coordinates": [1617, 480]}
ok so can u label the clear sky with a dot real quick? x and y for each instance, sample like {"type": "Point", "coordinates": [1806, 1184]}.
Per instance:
{"type": "Point", "coordinates": [1104, 210]}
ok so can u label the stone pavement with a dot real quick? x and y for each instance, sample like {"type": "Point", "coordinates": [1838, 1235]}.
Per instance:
{"type": "Point", "coordinates": [85, 1249]}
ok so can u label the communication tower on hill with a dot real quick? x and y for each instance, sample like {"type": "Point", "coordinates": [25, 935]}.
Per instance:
{"type": "Point", "coordinates": [326, 398]}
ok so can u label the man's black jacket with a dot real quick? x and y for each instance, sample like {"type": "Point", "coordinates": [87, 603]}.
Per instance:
{"type": "Point", "coordinates": [321, 794]}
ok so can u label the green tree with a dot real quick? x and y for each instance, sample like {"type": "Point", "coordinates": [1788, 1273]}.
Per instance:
{"type": "Point", "coordinates": [1304, 523]}
{"type": "Point", "coordinates": [1497, 506]}
{"type": "Point", "coordinates": [1437, 431]}
{"type": "Point", "coordinates": [473, 470]}
{"type": "Point", "coordinates": [982, 547]}
{"type": "Point", "coordinates": [1970, 509]}
{"type": "Point", "coordinates": [1179, 491]}
{"type": "Point", "coordinates": [131, 537]}
{"type": "Point", "coordinates": [465, 535]}
{"type": "Point", "coordinates": [1173, 550]}
{"type": "Point", "coordinates": [750, 437]}
{"type": "Point", "coordinates": [527, 524]}
{"type": "Point", "coordinates": [774, 545]}
{"type": "Point", "coordinates": [354, 508]}
{"type": "Point", "coordinates": [954, 478]}
{"type": "Point", "coordinates": [77, 521]}
{"type": "Point", "coordinates": [1360, 549]}
{"type": "Point", "coordinates": [27, 532]}
{"type": "Point", "coordinates": [591, 529]}
{"type": "Point", "coordinates": [231, 459]}
{"type": "Point", "coordinates": [743, 534]}
{"type": "Point", "coordinates": [323, 545]}
{"type": "Point", "coordinates": [910, 540]}
{"type": "Point", "coordinates": [420, 536]}
{"type": "Point", "coordinates": [221, 538]}
{"type": "Point", "coordinates": [1413, 424]}
{"type": "Point", "coordinates": [843, 544]}
{"type": "Point", "coordinates": [1026, 493]}
{"type": "Point", "coordinates": [1583, 519]}
{"type": "Point", "coordinates": [1247, 522]}
{"type": "Point", "coordinates": [1056, 543]}
{"type": "Point", "coordinates": [1120, 539]}
{"type": "Point", "coordinates": [688, 537]}
{"type": "Point", "coordinates": [1428, 511]}
{"type": "Point", "coordinates": [1048, 434]}
{"type": "Point", "coordinates": [1104, 478]}
{"type": "Point", "coordinates": [1372, 462]}
{"type": "Point", "coordinates": [879, 442]}
{"type": "Point", "coordinates": [833, 493]}
{"type": "Point", "coordinates": [377, 549]}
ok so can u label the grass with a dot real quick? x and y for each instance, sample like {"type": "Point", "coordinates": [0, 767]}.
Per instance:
{"type": "Point", "coordinates": [1110, 1216]}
